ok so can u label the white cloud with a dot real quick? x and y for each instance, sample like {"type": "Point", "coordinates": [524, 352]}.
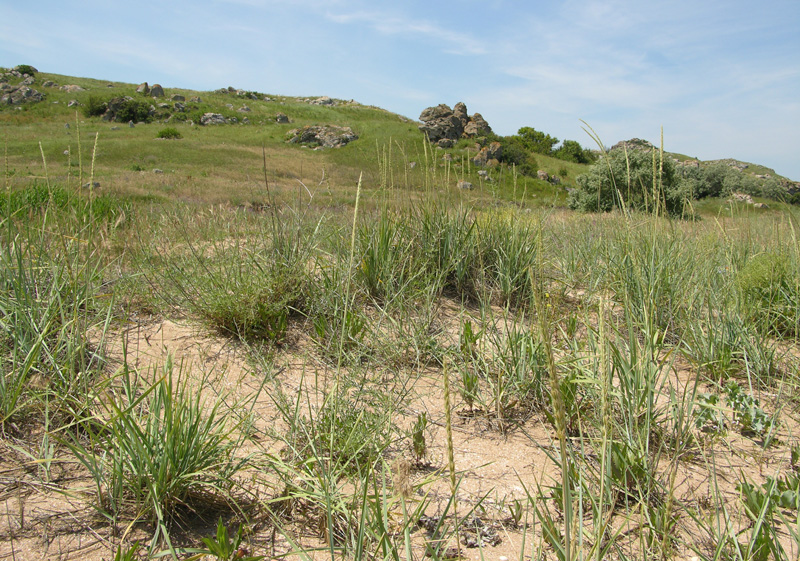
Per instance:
{"type": "Point", "coordinates": [454, 42]}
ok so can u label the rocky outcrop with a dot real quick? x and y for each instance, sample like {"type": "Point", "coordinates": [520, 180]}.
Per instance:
{"type": "Point", "coordinates": [213, 119]}
{"type": "Point", "coordinates": [633, 144]}
{"type": "Point", "coordinates": [328, 136]}
{"type": "Point", "coordinates": [71, 88]}
{"type": "Point", "coordinates": [489, 155]}
{"type": "Point", "coordinates": [143, 88]}
{"type": "Point", "coordinates": [444, 126]}
{"type": "Point", "coordinates": [17, 95]}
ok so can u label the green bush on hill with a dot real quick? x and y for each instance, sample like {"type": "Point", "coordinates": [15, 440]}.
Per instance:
{"type": "Point", "coordinates": [630, 180]}
{"type": "Point", "coordinates": [95, 107]}
{"type": "Point", "coordinates": [25, 69]}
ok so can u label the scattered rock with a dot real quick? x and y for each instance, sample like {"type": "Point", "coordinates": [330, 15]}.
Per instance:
{"type": "Point", "coordinates": [281, 118]}
{"type": "Point", "coordinates": [91, 185]}
{"type": "Point", "coordinates": [177, 97]}
{"type": "Point", "coordinates": [483, 174]}
{"type": "Point", "coordinates": [72, 103]}
{"type": "Point", "coordinates": [114, 128]}
{"type": "Point", "coordinates": [245, 121]}
{"type": "Point", "coordinates": [412, 165]}
{"type": "Point", "coordinates": [143, 88]}
{"type": "Point", "coordinates": [66, 152]}
{"type": "Point", "coordinates": [156, 91]}
{"type": "Point", "coordinates": [213, 119]}
{"type": "Point", "coordinates": [181, 107]}
{"type": "Point", "coordinates": [448, 157]}
{"type": "Point", "coordinates": [244, 109]}
{"type": "Point", "coordinates": [543, 175]}
{"type": "Point", "coordinates": [66, 125]}
{"type": "Point", "coordinates": [328, 136]}
{"type": "Point", "coordinates": [324, 100]}
{"type": "Point", "coordinates": [48, 84]}
{"type": "Point", "coordinates": [72, 88]}
{"type": "Point", "coordinates": [465, 185]}
{"type": "Point", "coordinates": [761, 205]}
{"type": "Point", "coordinates": [130, 124]}
{"type": "Point", "coordinates": [156, 170]}
{"type": "Point", "coordinates": [195, 99]}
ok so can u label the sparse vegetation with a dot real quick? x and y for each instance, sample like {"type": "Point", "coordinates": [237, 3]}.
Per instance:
{"type": "Point", "coordinates": [254, 339]}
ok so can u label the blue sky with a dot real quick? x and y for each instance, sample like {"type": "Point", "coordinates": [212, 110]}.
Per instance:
{"type": "Point", "coordinates": [721, 77]}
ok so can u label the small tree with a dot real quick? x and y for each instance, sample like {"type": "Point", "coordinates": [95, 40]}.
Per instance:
{"type": "Point", "coordinates": [537, 141]}
{"type": "Point", "coordinates": [635, 180]}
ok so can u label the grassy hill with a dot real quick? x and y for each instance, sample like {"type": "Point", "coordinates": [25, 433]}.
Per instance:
{"type": "Point", "coordinates": [225, 163]}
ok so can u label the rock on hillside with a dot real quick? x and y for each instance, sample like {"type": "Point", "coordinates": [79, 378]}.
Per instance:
{"type": "Point", "coordinates": [325, 136]}
{"type": "Point", "coordinates": [444, 126]}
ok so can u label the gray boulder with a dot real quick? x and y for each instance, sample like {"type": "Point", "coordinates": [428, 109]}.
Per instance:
{"type": "Point", "coordinates": [440, 123]}
{"type": "Point", "coordinates": [71, 88]}
{"type": "Point", "coordinates": [328, 136]}
{"type": "Point", "coordinates": [156, 91]}
{"type": "Point", "coordinates": [213, 119]}
{"type": "Point", "coordinates": [178, 97]}
{"type": "Point", "coordinates": [17, 95]}
{"type": "Point", "coordinates": [324, 100]}
{"type": "Point", "coordinates": [143, 88]}
{"type": "Point", "coordinates": [281, 118]}
{"type": "Point", "coordinates": [465, 185]}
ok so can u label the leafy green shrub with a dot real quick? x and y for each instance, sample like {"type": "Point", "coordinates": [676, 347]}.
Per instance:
{"type": "Point", "coordinates": [95, 107]}
{"type": "Point", "coordinates": [169, 133]}
{"type": "Point", "coordinates": [571, 151]}
{"type": "Point", "coordinates": [136, 110]}
{"type": "Point", "coordinates": [630, 180]}
{"type": "Point", "coordinates": [25, 69]}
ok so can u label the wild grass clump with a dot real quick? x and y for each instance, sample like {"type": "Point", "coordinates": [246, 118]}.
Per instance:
{"type": "Point", "coordinates": [158, 452]}
{"type": "Point", "coordinates": [53, 317]}
{"type": "Point", "coordinates": [770, 292]}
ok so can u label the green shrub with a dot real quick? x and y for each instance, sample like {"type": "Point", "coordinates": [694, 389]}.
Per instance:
{"type": "Point", "coordinates": [25, 69]}
{"type": "Point", "coordinates": [95, 107]}
{"type": "Point", "coordinates": [630, 180]}
{"type": "Point", "coordinates": [571, 151]}
{"type": "Point", "coordinates": [169, 133]}
{"type": "Point", "coordinates": [136, 110]}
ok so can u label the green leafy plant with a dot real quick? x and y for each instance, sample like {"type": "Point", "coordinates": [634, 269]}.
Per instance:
{"type": "Point", "coordinates": [224, 547]}
{"type": "Point", "coordinates": [169, 133]}
{"type": "Point", "coordinates": [752, 419]}
{"type": "Point", "coordinates": [25, 69]}
{"type": "Point", "coordinates": [95, 107]}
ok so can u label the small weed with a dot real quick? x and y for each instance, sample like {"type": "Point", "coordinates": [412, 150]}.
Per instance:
{"type": "Point", "coordinates": [223, 547]}
{"type": "Point", "coordinates": [752, 420]}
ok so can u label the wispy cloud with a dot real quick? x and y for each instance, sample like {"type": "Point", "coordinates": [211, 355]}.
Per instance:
{"type": "Point", "coordinates": [453, 42]}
